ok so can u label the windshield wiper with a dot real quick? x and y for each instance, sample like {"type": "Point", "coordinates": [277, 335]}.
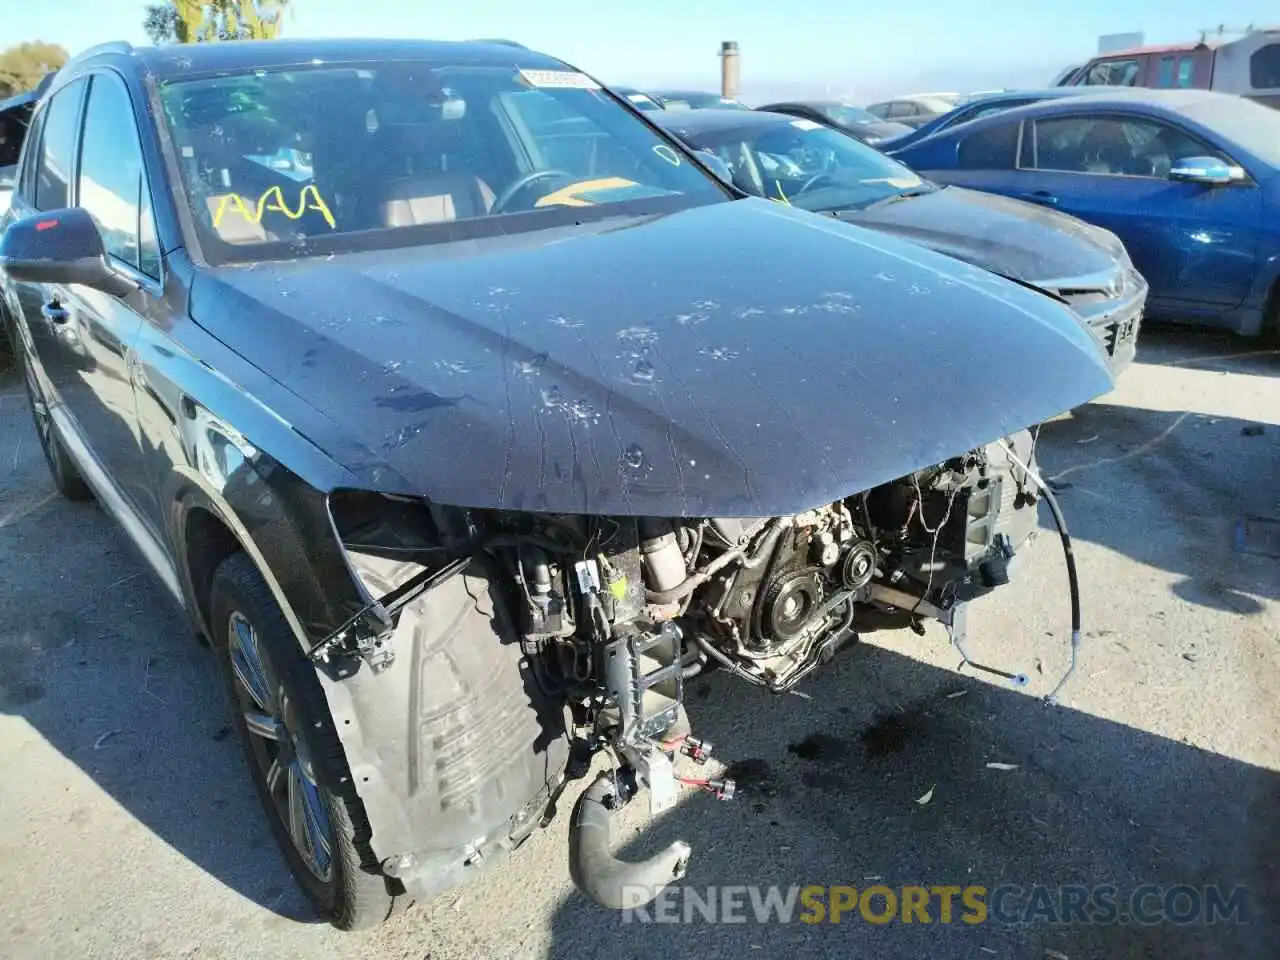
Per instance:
{"type": "Point", "coordinates": [919, 191]}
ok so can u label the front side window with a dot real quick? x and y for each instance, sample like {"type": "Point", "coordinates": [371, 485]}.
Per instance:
{"type": "Point", "coordinates": [345, 156]}
{"type": "Point", "coordinates": [1112, 145]}
{"type": "Point", "coordinates": [993, 148]}
{"type": "Point", "coordinates": [57, 147]}
{"type": "Point", "coordinates": [1126, 73]}
{"type": "Point", "coordinates": [111, 172]}
{"type": "Point", "coordinates": [1264, 67]}
{"type": "Point", "coordinates": [1164, 74]}
{"type": "Point", "coordinates": [808, 165]}
{"type": "Point", "coordinates": [1114, 73]}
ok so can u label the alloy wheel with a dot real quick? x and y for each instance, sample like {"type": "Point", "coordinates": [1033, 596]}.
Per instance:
{"type": "Point", "coordinates": [278, 748]}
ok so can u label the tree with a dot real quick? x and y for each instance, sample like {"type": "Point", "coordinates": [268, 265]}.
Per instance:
{"type": "Point", "coordinates": [22, 66]}
{"type": "Point", "coordinates": [202, 21]}
{"type": "Point", "coordinates": [163, 25]}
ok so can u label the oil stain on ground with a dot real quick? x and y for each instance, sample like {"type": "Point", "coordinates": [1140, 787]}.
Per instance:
{"type": "Point", "coordinates": [889, 733]}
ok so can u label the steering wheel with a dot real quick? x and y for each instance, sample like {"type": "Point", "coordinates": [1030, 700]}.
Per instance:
{"type": "Point", "coordinates": [533, 176]}
{"type": "Point", "coordinates": [813, 181]}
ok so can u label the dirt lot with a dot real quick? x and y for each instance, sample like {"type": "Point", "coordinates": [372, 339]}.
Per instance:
{"type": "Point", "coordinates": [130, 828]}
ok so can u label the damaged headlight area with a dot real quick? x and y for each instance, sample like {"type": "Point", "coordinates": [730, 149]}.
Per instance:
{"type": "Point", "coordinates": [612, 614]}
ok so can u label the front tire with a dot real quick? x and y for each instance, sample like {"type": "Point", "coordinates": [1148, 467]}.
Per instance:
{"type": "Point", "coordinates": [295, 758]}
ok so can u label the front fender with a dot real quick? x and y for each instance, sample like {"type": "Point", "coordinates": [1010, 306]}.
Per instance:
{"type": "Point", "coordinates": [212, 441]}
{"type": "Point", "coordinates": [1264, 295]}
{"type": "Point", "coordinates": [282, 524]}
{"type": "Point", "coordinates": [453, 749]}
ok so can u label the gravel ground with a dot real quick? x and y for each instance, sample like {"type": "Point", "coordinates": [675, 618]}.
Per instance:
{"type": "Point", "coordinates": [130, 828]}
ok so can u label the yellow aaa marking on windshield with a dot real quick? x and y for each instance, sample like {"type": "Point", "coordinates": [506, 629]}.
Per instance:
{"type": "Point", "coordinates": [308, 199]}
{"type": "Point", "coordinates": [570, 196]}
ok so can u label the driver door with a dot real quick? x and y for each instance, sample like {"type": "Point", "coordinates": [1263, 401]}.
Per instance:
{"type": "Point", "coordinates": [89, 156]}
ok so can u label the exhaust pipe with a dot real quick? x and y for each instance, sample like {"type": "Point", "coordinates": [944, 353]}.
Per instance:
{"type": "Point", "coordinates": [610, 882]}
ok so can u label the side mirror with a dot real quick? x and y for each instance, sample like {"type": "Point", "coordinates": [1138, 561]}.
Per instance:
{"type": "Point", "coordinates": [716, 166]}
{"type": "Point", "coordinates": [61, 246]}
{"type": "Point", "coordinates": [1207, 170]}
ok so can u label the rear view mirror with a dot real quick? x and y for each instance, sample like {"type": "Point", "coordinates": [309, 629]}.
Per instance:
{"type": "Point", "coordinates": [61, 246]}
{"type": "Point", "coordinates": [1206, 170]}
{"type": "Point", "coordinates": [716, 166]}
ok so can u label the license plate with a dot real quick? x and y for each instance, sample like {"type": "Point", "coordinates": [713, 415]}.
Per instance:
{"type": "Point", "coordinates": [1127, 329]}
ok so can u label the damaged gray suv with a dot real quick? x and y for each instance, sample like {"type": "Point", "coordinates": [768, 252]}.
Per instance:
{"type": "Point", "coordinates": [468, 415]}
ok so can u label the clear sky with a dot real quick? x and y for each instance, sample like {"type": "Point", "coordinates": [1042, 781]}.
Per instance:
{"type": "Point", "coordinates": [861, 49]}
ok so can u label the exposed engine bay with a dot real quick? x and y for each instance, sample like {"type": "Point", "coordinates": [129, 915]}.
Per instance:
{"type": "Point", "coordinates": [616, 613]}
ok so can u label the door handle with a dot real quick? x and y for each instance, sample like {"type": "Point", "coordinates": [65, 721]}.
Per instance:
{"type": "Point", "coordinates": [54, 312]}
{"type": "Point", "coordinates": [1041, 196]}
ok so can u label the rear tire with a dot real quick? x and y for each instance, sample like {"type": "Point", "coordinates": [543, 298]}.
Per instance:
{"type": "Point", "coordinates": [66, 476]}
{"type": "Point", "coordinates": [295, 759]}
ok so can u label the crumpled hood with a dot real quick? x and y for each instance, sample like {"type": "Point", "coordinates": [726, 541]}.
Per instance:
{"type": "Point", "coordinates": [1009, 237]}
{"type": "Point", "coordinates": [736, 359]}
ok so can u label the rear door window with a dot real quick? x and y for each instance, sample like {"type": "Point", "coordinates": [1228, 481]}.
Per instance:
{"type": "Point", "coordinates": [993, 148]}
{"type": "Point", "coordinates": [57, 147]}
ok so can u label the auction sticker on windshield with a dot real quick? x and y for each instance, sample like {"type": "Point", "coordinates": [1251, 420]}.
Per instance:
{"type": "Point", "coordinates": [806, 124]}
{"type": "Point", "coordinates": [564, 79]}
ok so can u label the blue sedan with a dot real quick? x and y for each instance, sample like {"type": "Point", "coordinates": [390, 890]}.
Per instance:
{"type": "Point", "coordinates": [1188, 179]}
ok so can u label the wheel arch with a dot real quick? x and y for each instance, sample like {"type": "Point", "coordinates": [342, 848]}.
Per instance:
{"type": "Point", "coordinates": [283, 529]}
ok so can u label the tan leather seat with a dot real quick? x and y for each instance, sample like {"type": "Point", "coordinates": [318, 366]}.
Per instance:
{"type": "Point", "coordinates": [435, 198]}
